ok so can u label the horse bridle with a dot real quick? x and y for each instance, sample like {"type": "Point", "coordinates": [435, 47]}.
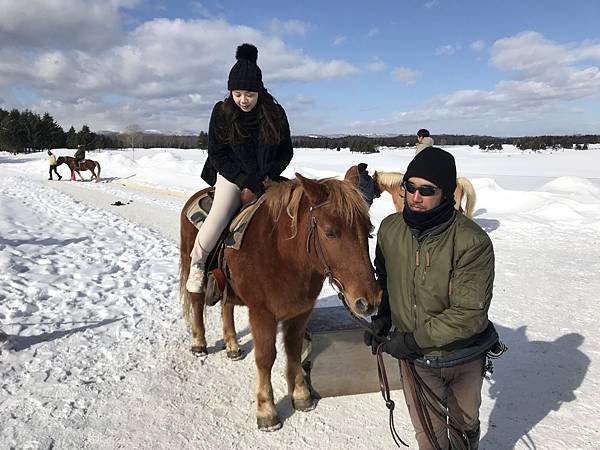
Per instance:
{"type": "Point", "coordinates": [425, 402]}
{"type": "Point", "coordinates": [336, 284]}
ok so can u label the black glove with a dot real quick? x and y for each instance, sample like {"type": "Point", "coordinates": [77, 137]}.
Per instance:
{"type": "Point", "coordinates": [254, 184]}
{"type": "Point", "coordinates": [403, 346]}
{"type": "Point", "coordinates": [381, 327]}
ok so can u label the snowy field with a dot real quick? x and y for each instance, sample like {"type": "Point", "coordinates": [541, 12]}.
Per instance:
{"type": "Point", "coordinates": [97, 352]}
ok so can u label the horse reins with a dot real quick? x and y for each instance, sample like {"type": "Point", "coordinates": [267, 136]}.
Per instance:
{"type": "Point", "coordinates": [423, 402]}
{"type": "Point", "coordinates": [337, 285]}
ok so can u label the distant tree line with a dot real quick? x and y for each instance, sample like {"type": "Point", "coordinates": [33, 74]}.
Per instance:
{"type": "Point", "coordinates": [27, 131]}
{"type": "Point", "coordinates": [490, 143]}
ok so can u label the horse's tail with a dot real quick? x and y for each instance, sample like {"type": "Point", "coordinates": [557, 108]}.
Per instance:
{"type": "Point", "coordinates": [469, 193]}
{"type": "Point", "coordinates": [186, 241]}
{"type": "Point", "coordinates": [99, 168]}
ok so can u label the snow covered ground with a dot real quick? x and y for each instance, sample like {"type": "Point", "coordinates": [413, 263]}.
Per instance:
{"type": "Point", "coordinates": [97, 352]}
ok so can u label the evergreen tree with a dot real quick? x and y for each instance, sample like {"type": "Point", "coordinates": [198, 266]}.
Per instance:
{"type": "Point", "coordinates": [12, 135]}
{"type": "Point", "coordinates": [31, 129]}
{"type": "Point", "coordinates": [203, 140]}
{"type": "Point", "coordinates": [52, 134]}
{"type": "Point", "coordinates": [85, 137]}
{"type": "Point", "coordinates": [72, 139]}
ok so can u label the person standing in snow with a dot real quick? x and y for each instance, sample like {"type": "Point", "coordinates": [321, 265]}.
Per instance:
{"type": "Point", "coordinates": [52, 161]}
{"type": "Point", "coordinates": [436, 270]}
{"type": "Point", "coordinates": [424, 140]}
{"type": "Point", "coordinates": [249, 143]}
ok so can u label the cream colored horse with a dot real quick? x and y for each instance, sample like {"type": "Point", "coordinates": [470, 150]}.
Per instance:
{"type": "Point", "coordinates": [392, 182]}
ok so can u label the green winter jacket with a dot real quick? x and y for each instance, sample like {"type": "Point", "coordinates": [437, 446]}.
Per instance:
{"type": "Point", "coordinates": [439, 288]}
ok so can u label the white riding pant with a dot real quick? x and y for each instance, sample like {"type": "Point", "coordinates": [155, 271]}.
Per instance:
{"type": "Point", "coordinates": [225, 204]}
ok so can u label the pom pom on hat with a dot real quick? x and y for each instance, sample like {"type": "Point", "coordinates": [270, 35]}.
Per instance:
{"type": "Point", "coordinates": [247, 51]}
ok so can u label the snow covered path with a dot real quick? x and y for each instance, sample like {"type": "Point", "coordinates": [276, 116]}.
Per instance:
{"type": "Point", "coordinates": [102, 360]}
{"type": "Point", "coordinates": [98, 355]}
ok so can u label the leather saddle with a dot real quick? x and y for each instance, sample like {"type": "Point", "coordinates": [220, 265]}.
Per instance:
{"type": "Point", "coordinates": [218, 280]}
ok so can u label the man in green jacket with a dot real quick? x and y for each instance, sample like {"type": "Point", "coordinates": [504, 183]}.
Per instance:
{"type": "Point", "coordinates": [436, 269]}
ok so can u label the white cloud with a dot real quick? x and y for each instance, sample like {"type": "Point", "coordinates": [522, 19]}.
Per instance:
{"type": "Point", "coordinates": [67, 23]}
{"type": "Point", "coordinates": [289, 27]}
{"type": "Point", "coordinates": [447, 50]}
{"type": "Point", "coordinates": [564, 68]}
{"type": "Point", "coordinates": [168, 73]}
{"type": "Point", "coordinates": [532, 53]}
{"type": "Point", "coordinates": [339, 40]}
{"type": "Point", "coordinates": [478, 45]}
{"type": "Point", "coordinates": [406, 75]}
{"type": "Point", "coordinates": [298, 103]}
{"type": "Point", "coordinates": [431, 4]}
{"type": "Point", "coordinates": [547, 77]}
{"type": "Point", "coordinates": [373, 32]}
{"type": "Point", "coordinates": [308, 69]}
{"type": "Point", "coordinates": [376, 66]}
{"type": "Point", "coordinates": [200, 10]}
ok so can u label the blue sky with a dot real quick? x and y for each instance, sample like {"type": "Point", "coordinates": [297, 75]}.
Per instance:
{"type": "Point", "coordinates": [465, 67]}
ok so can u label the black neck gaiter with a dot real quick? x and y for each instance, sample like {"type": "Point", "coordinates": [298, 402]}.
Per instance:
{"type": "Point", "coordinates": [249, 120]}
{"type": "Point", "coordinates": [425, 220]}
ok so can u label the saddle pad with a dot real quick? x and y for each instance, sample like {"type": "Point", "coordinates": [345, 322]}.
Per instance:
{"type": "Point", "coordinates": [238, 225]}
{"type": "Point", "coordinates": [197, 212]}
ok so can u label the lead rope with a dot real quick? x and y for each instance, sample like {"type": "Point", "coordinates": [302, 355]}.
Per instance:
{"type": "Point", "coordinates": [431, 402]}
{"type": "Point", "coordinates": [384, 387]}
{"type": "Point", "coordinates": [337, 286]}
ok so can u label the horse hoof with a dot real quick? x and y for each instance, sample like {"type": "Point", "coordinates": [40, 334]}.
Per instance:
{"type": "Point", "coordinates": [199, 350]}
{"type": "Point", "coordinates": [235, 355]}
{"type": "Point", "coordinates": [269, 424]}
{"type": "Point", "coordinates": [303, 405]}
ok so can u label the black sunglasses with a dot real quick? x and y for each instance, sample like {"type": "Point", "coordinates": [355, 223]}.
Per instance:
{"type": "Point", "coordinates": [426, 190]}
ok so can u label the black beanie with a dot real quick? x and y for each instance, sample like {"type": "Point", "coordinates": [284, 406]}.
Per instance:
{"type": "Point", "coordinates": [434, 165]}
{"type": "Point", "coordinates": [245, 75]}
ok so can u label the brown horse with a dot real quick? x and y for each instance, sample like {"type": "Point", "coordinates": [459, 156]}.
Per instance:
{"type": "Point", "coordinates": [306, 230]}
{"type": "Point", "coordinates": [391, 182]}
{"type": "Point", "coordinates": [86, 164]}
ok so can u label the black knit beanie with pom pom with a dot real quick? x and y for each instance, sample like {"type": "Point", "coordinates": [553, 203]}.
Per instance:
{"type": "Point", "coordinates": [245, 75]}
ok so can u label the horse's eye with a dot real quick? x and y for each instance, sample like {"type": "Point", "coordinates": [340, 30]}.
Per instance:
{"type": "Point", "coordinates": [330, 234]}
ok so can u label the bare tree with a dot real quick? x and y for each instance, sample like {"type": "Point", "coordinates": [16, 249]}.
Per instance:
{"type": "Point", "coordinates": [131, 136]}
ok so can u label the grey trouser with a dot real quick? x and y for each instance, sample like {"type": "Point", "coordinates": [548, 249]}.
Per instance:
{"type": "Point", "coordinates": [225, 204]}
{"type": "Point", "coordinates": [460, 388]}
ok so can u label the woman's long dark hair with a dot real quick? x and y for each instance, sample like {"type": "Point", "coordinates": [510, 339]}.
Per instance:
{"type": "Point", "coordinates": [269, 120]}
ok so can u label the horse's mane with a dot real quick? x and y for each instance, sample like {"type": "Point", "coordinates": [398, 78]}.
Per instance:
{"type": "Point", "coordinates": [388, 180]}
{"type": "Point", "coordinates": [345, 200]}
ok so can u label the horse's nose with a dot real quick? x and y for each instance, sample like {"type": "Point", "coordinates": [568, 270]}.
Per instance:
{"type": "Point", "coordinates": [361, 305]}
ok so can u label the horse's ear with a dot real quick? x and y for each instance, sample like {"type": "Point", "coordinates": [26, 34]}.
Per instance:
{"type": "Point", "coordinates": [352, 175]}
{"type": "Point", "coordinates": [315, 191]}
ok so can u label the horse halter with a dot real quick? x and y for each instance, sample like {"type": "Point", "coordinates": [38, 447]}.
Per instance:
{"type": "Point", "coordinates": [313, 235]}
{"type": "Point", "coordinates": [336, 284]}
